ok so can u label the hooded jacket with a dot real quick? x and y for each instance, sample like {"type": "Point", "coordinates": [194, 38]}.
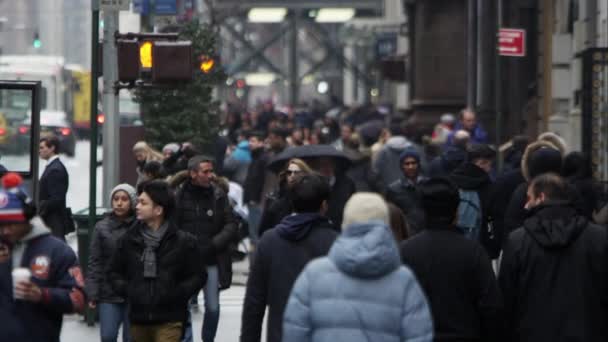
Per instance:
{"type": "Point", "coordinates": [554, 277]}
{"type": "Point", "coordinates": [387, 164]}
{"type": "Point", "coordinates": [448, 161]}
{"type": "Point", "coordinates": [515, 213]}
{"type": "Point", "coordinates": [457, 276]}
{"type": "Point", "coordinates": [55, 270]}
{"type": "Point", "coordinates": [103, 244]}
{"type": "Point", "coordinates": [402, 193]}
{"type": "Point", "coordinates": [281, 254]}
{"type": "Point", "coordinates": [359, 292]}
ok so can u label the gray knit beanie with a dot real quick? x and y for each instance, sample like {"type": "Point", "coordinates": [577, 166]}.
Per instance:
{"type": "Point", "coordinates": [364, 207]}
{"type": "Point", "coordinates": [129, 190]}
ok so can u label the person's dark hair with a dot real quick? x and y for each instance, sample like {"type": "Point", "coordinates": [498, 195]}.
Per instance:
{"type": "Point", "coordinates": [553, 186]}
{"type": "Point", "coordinates": [51, 141]}
{"type": "Point", "coordinates": [280, 132]}
{"type": "Point", "coordinates": [399, 225]}
{"type": "Point", "coordinates": [577, 166]}
{"type": "Point", "coordinates": [520, 142]}
{"type": "Point", "coordinates": [308, 193]}
{"type": "Point", "coordinates": [257, 134]}
{"type": "Point", "coordinates": [154, 169]}
{"type": "Point", "coordinates": [160, 193]}
{"type": "Point", "coordinates": [480, 151]}
{"type": "Point", "coordinates": [440, 199]}
{"type": "Point", "coordinates": [195, 162]}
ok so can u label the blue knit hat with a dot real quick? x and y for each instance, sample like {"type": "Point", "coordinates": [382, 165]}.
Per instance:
{"type": "Point", "coordinates": [409, 152]}
{"type": "Point", "coordinates": [12, 200]}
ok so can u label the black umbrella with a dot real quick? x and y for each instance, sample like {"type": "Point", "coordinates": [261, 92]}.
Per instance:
{"type": "Point", "coordinates": [309, 153]}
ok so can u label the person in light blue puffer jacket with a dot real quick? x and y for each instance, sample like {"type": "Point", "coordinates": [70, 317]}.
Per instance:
{"type": "Point", "coordinates": [360, 291]}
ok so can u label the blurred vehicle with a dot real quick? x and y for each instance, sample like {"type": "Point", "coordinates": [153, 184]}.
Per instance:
{"type": "Point", "coordinates": [51, 122]}
{"type": "Point", "coordinates": [5, 134]}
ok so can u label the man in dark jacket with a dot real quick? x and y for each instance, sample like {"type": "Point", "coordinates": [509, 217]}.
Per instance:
{"type": "Point", "coordinates": [282, 254]}
{"type": "Point", "coordinates": [342, 187]}
{"type": "Point", "coordinates": [474, 176]}
{"type": "Point", "coordinates": [204, 211]}
{"type": "Point", "coordinates": [454, 272]}
{"type": "Point", "coordinates": [452, 156]}
{"type": "Point", "coordinates": [32, 309]}
{"type": "Point", "coordinates": [254, 183]}
{"type": "Point", "coordinates": [402, 192]}
{"type": "Point", "coordinates": [53, 188]}
{"type": "Point", "coordinates": [155, 267]}
{"type": "Point", "coordinates": [554, 271]}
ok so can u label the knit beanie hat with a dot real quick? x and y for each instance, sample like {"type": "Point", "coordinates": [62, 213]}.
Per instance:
{"type": "Point", "coordinates": [363, 207]}
{"type": "Point", "coordinates": [129, 190]}
{"type": "Point", "coordinates": [544, 160]}
{"type": "Point", "coordinates": [440, 199]}
{"type": "Point", "coordinates": [409, 152]}
{"type": "Point", "coordinates": [13, 201]}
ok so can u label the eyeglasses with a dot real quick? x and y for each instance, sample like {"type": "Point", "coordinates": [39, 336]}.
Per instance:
{"type": "Point", "coordinates": [293, 172]}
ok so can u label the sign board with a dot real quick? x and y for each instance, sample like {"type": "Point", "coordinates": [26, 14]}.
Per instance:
{"type": "Point", "coordinates": [114, 5]}
{"type": "Point", "coordinates": [299, 4]}
{"type": "Point", "coordinates": [512, 42]}
{"type": "Point", "coordinates": [161, 7]}
{"type": "Point", "coordinates": [386, 45]}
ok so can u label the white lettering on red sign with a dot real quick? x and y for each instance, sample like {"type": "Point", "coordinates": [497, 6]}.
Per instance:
{"type": "Point", "coordinates": [512, 42]}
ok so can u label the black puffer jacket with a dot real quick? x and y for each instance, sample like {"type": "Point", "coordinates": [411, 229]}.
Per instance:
{"type": "Point", "coordinates": [341, 191]}
{"type": "Point", "coordinates": [276, 206]}
{"type": "Point", "coordinates": [103, 244]}
{"type": "Point", "coordinates": [180, 275]}
{"type": "Point", "coordinates": [554, 277]}
{"type": "Point", "coordinates": [403, 194]}
{"type": "Point", "coordinates": [206, 213]}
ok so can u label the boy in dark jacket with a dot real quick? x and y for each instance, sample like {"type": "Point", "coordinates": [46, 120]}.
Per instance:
{"type": "Point", "coordinates": [155, 267]}
{"type": "Point", "coordinates": [282, 253]}
{"type": "Point", "coordinates": [33, 309]}
{"type": "Point", "coordinates": [454, 272]}
{"type": "Point", "coordinates": [554, 270]}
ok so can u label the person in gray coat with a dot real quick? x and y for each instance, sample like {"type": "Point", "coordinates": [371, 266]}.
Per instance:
{"type": "Point", "coordinates": [360, 291]}
{"type": "Point", "coordinates": [112, 307]}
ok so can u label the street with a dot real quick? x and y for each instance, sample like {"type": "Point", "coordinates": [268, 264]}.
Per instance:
{"type": "Point", "coordinates": [231, 300]}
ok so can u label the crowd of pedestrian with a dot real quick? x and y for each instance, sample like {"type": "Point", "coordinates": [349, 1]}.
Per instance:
{"type": "Point", "coordinates": [354, 231]}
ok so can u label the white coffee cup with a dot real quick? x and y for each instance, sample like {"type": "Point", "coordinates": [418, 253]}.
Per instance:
{"type": "Point", "coordinates": [20, 274]}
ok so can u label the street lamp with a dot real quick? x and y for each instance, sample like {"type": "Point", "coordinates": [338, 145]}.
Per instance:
{"type": "Point", "coordinates": [267, 15]}
{"type": "Point", "coordinates": [261, 79]}
{"type": "Point", "coordinates": [335, 15]}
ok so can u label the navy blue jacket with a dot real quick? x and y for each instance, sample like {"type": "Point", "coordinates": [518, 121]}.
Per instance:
{"type": "Point", "coordinates": [55, 270]}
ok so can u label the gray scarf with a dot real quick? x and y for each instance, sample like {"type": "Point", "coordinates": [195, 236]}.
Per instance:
{"type": "Point", "coordinates": [152, 240]}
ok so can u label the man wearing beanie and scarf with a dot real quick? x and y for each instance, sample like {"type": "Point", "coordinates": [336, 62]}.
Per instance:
{"type": "Point", "coordinates": [402, 192]}
{"type": "Point", "coordinates": [282, 253]}
{"type": "Point", "coordinates": [360, 292]}
{"type": "Point", "coordinates": [112, 307]}
{"type": "Point", "coordinates": [32, 309]}
{"type": "Point", "coordinates": [455, 272]}
{"type": "Point", "coordinates": [156, 269]}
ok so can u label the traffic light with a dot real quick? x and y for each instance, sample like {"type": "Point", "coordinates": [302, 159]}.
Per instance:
{"type": "Point", "coordinates": [37, 43]}
{"type": "Point", "coordinates": [207, 64]}
{"type": "Point", "coordinates": [158, 61]}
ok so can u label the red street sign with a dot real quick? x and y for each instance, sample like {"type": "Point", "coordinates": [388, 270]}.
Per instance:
{"type": "Point", "coordinates": [512, 42]}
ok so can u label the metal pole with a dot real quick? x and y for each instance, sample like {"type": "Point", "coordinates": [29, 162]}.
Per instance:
{"type": "Point", "coordinates": [294, 78]}
{"type": "Point", "coordinates": [111, 127]}
{"type": "Point", "coordinates": [498, 85]}
{"type": "Point", "coordinates": [93, 137]}
{"type": "Point", "coordinates": [471, 53]}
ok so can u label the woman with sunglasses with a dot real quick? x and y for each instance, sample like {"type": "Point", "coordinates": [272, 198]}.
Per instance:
{"type": "Point", "coordinates": [277, 203]}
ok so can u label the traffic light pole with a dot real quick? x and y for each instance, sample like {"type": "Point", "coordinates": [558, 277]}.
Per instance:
{"type": "Point", "coordinates": [111, 127]}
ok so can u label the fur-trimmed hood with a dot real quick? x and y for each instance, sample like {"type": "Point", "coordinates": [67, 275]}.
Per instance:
{"type": "Point", "coordinates": [555, 140]}
{"type": "Point", "coordinates": [525, 160]}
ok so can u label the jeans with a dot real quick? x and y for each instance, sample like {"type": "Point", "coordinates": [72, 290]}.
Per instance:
{"type": "Point", "coordinates": [111, 316]}
{"type": "Point", "coordinates": [211, 317]}
{"type": "Point", "coordinates": [255, 215]}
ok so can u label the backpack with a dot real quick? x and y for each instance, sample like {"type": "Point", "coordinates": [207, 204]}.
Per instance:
{"type": "Point", "coordinates": [469, 214]}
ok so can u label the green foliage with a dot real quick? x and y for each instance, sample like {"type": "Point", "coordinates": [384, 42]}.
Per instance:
{"type": "Point", "coordinates": [186, 111]}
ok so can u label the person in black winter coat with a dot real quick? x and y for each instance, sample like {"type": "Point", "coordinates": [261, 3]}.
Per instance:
{"type": "Point", "coordinates": [204, 211]}
{"type": "Point", "coordinates": [402, 192]}
{"type": "Point", "coordinates": [277, 204]}
{"type": "Point", "coordinates": [282, 253]}
{"type": "Point", "coordinates": [577, 171]}
{"type": "Point", "coordinates": [342, 188]}
{"type": "Point", "coordinates": [554, 270]}
{"type": "Point", "coordinates": [157, 268]}
{"type": "Point", "coordinates": [540, 157]}
{"type": "Point", "coordinates": [454, 272]}
{"type": "Point", "coordinates": [254, 183]}
{"type": "Point", "coordinates": [112, 307]}
{"type": "Point", "coordinates": [451, 157]}
{"type": "Point", "coordinates": [473, 175]}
